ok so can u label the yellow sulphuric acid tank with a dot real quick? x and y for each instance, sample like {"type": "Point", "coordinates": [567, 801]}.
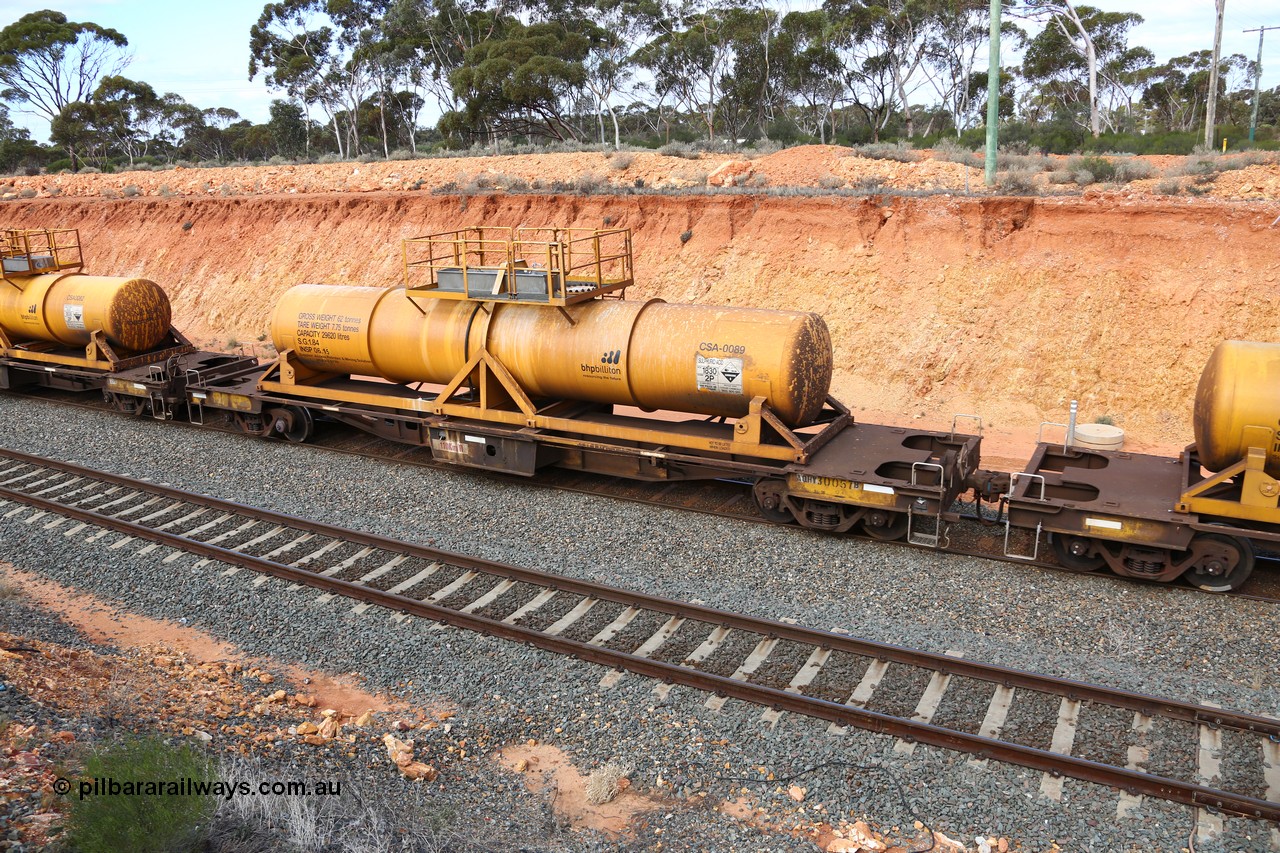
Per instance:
{"type": "Point", "coordinates": [690, 358]}
{"type": "Point", "coordinates": [65, 308]}
{"type": "Point", "coordinates": [1238, 405]}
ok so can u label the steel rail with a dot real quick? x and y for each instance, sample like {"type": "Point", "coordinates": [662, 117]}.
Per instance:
{"type": "Point", "coordinates": [1133, 781]}
{"type": "Point", "coordinates": [1143, 703]}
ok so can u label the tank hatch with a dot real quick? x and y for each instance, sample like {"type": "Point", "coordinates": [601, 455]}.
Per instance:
{"type": "Point", "coordinates": [538, 266]}
{"type": "Point", "coordinates": [27, 252]}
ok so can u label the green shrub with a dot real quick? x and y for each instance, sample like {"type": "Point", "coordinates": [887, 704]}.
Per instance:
{"type": "Point", "coordinates": [1131, 169]}
{"type": "Point", "coordinates": [765, 147]}
{"type": "Point", "coordinates": [1100, 169]}
{"type": "Point", "coordinates": [56, 166]}
{"type": "Point", "coordinates": [869, 185]}
{"type": "Point", "coordinates": [900, 152]}
{"type": "Point", "coordinates": [621, 160]}
{"type": "Point", "coordinates": [142, 823]}
{"type": "Point", "coordinates": [1198, 165]}
{"type": "Point", "coordinates": [1023, 162]}
{"type": "Point", "coordinates": [679, 149]}
{"type": "Point", "coordinates": [1244, 161]}
{"type": "Point", "coordinates": [948, 149]}
{"type": "Point", "coordinates": [1017, 181]}
{"type": "Point", "coordinates": [1169, 186]}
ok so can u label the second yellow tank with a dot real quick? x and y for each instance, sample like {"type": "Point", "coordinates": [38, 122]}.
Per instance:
{"type": "Point", "coordinates": [1238, 404]}
{"type": "Point", "coordinates": [691, 358]}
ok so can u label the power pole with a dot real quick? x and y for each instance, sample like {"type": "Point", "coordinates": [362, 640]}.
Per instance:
{"type": "Point", "coordinates": [1257, 80]}
{"type": "Point", "coordinates": [1211, 108]}
{"type": "Point", "coordinates": [993, 95]}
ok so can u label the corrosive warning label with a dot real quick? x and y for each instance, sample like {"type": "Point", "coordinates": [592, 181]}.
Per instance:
{"type": "Point", "coordinates": [73, 316]}
{"type": "Point", "coordinates": [723, 375]}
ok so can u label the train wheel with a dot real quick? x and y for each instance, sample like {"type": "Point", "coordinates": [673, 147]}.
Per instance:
{"type": "Point", "coordinates": [768, 495]}
{"type": "Point", "coordinates": [1223, 563]}
{"type": "Point", "coordinates": [885, 524]}
{"type": "Point", "coordinates": [293, 422]}
{"type": "Point", "coordinates": [1073, 552]}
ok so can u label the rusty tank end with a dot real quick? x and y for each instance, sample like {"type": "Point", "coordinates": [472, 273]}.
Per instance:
{"type": "Point", "coordinates": [1238, 405]}
{"type": "Point", "coordinates": [691, 358]}
{"type": "Point", "coordinates": [65, 308]}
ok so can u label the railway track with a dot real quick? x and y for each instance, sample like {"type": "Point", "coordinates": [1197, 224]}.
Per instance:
{"type": "Point", "coordinates": [720, 498]}
{"type": "Point", "coordinates": [918, 697]}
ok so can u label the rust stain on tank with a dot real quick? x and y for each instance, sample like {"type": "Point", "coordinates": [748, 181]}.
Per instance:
{"type": "Point", "coordinates": [139, 315]}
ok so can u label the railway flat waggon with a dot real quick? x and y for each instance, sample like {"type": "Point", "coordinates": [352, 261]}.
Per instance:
{"type": "Point", "coordinates": [516, 351]}
{"type": "Point", "coordinates": [1199, 515]}
{"type": "Point", "coordinates": [65, 329]}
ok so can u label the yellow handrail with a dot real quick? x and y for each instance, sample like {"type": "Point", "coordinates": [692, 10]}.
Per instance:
{"type": "Point", "coordinates": [60, 245]}
{"type": "Point", "coordinates": [597, 259]}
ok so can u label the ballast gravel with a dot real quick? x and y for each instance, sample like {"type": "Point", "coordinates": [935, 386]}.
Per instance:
{"type": "Point", "coordinates": [1162, 640]}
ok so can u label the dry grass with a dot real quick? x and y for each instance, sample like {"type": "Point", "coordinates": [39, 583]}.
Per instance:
{"type": "Point", "coordinates": [606, 782]}
{"type": "Point", "coordinates": [357, 821]}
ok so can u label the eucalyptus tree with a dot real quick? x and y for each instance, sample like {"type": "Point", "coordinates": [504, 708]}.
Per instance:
{"type": "Point", "coordinates": [957, 43]}
{"type": "Point", "coordinates": [809, 71]}
{"type": "Point", "coordinates": [750, 94]}
{"type": "Point", "coordinates": [1078, 46]}
{"type": "Point", "coordinates": [869, 72]}
{"type": "Point", "coordinates": [130, 113]}
{"type": "Point", "coordinates": [521, 81]}
{"type": "Point", "coordinates": [1176, 93]}
{"type": "Point", "coordinates": [691, 54]}
{"type": "Point", "coordinates": [430, 38]}
{"type": "Point", "coordinates": [294, 46]}
{"type": "Point", "coordinates": [887, 38]}
{"type": "Point", "coordinates": [618, 27]}
{"type": "Point", "coordinates": [48, 62]}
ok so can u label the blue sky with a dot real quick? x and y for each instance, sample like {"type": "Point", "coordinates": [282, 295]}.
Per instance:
{"type": "Point", "coordinates": [201, 50]}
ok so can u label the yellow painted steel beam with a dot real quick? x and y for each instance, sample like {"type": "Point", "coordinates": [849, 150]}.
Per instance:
{"type": "Point", "coordinates": [654, 437]}
{"type": "Point", "coordinates": [1232, 509]}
